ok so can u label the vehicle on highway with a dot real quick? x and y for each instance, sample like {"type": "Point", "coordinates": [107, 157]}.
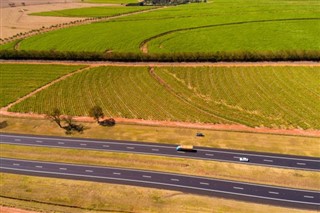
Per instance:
{"type": "Point", "coordinates": [200, 134]}
{"type": "Point", "coordinates": [186, 148]}
{"type": "Point", "coordinates": [243, 159]}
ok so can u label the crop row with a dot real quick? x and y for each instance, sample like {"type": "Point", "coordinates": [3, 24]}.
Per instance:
{"type": "Point", "coordinates": [286, 97]}
{"type": "Point", "coordinates": [18, 80]}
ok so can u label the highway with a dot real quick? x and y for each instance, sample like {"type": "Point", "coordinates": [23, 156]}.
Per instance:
{"type": "Point", "coordinates": [189, 184]}
{"type": "Point", "coordinates": [204, 153]}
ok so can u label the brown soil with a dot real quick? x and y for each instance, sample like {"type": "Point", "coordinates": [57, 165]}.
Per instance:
{"type": "Point", "coordinates": [4, 209]}
{"type": "Point", "coordinates": [17, 19]}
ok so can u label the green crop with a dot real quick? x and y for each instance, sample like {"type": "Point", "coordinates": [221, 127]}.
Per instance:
{"type": "Point", "coordinates": [284, 97]}
{"type": "Point", "coordinates": [18, 80]}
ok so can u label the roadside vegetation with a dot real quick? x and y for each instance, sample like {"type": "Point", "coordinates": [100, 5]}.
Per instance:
{"type": "Point", "coordinates": [18, 80]}
{"type": "Point", "coordinates": [254, 96]}
{"type": "Point", "coordinates": [292, 145]}
{"type": "Point", "coordinates": [93, 11]}
{"type": "Point", "coordinates": [51, 194]}
{"type": "Point", "coordinates": [222, 170]}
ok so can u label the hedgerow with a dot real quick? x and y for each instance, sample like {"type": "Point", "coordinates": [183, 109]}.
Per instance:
{"type": "Point", "coordinates": [230, 56]}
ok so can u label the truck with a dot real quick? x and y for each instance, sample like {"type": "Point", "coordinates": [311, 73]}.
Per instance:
{"type": "Point", "coordinates": [186, 148]}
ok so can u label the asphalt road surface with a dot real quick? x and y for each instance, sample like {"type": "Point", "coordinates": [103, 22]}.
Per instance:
{"type": "Point", "coordinates": [204, 153]}
{"type": "Point", "coordinates": [189, 184]}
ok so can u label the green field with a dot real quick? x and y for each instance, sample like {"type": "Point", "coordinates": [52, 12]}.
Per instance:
{"type": "Point", "coordinates": [18, 80]}
{"type": "Point", "coordinates": [285, 97]}
{"type": "Point", "coordinates": [222, 25]}
{"type": "Point", "coordinates": [92, 11]}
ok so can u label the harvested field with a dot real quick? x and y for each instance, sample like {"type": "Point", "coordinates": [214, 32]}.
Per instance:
{"type": "Point", "coordinates": [17, 19]}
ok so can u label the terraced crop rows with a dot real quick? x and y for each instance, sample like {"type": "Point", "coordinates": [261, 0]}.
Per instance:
{"type": "Point", "coordinates": [284, 97]}
{"type": "Point", "coordinates": [18, 80]}
{"type": "Point", "coordinates": [127, 34]}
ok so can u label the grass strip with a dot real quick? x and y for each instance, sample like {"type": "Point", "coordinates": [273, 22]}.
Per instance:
{"type": "Point", "coordinates": [231, 171]}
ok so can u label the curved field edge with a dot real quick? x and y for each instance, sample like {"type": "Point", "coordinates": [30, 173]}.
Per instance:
{"type": "Point", "coordinates": [18, 80]}
{"type": "Point", "coordinates": [277, 97]}
{"type": "Point", "coordinates": [125, 34]}
{"type": "Point", "coordinates": [292, 34]}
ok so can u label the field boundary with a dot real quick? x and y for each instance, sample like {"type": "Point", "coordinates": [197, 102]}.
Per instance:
{"type": "Point", "coordinates": [188, 125]}
{"type": "Point", "coordinates": [144, 44]}
{"type": "Point", "coordinates": [80, 21]}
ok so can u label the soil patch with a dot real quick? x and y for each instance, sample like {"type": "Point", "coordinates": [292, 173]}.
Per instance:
{"type": "Point", "coordinates": [17, 19]}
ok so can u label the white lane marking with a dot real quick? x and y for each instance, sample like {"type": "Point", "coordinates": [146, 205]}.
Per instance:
{"type": "Point", "coordinates": [168, 147]}
{"type": "Point", "coordinates": [307, 196]}
{"type": "Point", "coordinates": [63, 168]}
{"type": "Point", "coordinates": [154, 172]}
{"type": "Point", "coordinates": [130, 147]}
{"type": "Point", "coordinates": [276, 193]}
{"type": "Point", "coordinates": [240, 188]}
{"type": "Point", "coordinates": [39, 141]}
{"type": "Point", "coordinates": [303, 164]}
{"type": "Point", "coordinates": [266, 160]}
{"type": "Point", "coordinates": [174, 179]}
{"type": "Point", "coordinates": [173, 155]}
{"type": "Point", "coordinates": [88, 170]}
{"type": "Point", "coordinates": [203, 183]}
{"type": "Point", "coordinates": [156, 150]}
{"type": "Point", "coordinates": [166, 184]}
{"type": "Point", "coordinates": [209, 154]}
{"type": "Point", "coordinates": [116, 173]}
{"type": "Point", "coordinates": [105, 146]}
{"type": "Point", "coordinates": [60, 142]}
{"type": "Point", "coordinates": [146, 176]}
{"type": "Point", "coordinates": [83, 144]}
{"type": "Point", "coordinates": [16, 164]}
{"type": "Point", "coordinates": [39, 166]}
{"type": "Point", "coordinates": [236, 157]}
{"type": "Point", "coordinates": [17, 139]}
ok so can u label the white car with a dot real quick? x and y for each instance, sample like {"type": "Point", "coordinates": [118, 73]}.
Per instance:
{"type": "Point", "coordinates": [244, 159]}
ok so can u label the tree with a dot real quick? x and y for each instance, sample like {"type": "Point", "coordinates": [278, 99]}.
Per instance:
{"type": "Point", "coordinates": [96, 112]}
{"type": "Point", "coordinates": [55, 116]}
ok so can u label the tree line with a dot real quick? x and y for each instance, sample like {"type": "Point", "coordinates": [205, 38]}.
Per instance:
{"type": "Point", "coordinates": [230, 56]}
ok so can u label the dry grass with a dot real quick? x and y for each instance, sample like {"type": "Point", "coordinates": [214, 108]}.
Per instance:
{"type": "Point", "coordinates": [295, 145]}
{"type": "Point", "coordinates": [256, 174]}
{"type": "Point", "coordinates": [112, 197]}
